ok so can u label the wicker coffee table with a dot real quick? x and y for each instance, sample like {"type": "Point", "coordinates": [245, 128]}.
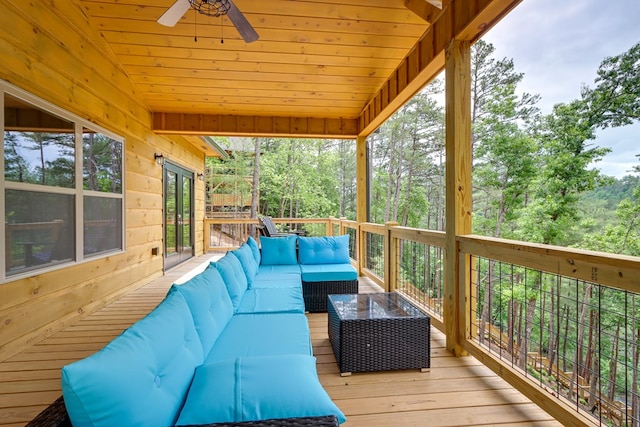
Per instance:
{"type": "Point", "coordinates": [378, 332]}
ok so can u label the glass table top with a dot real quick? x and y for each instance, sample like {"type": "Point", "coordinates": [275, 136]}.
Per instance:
{"type": "Point", "coordinates": [389, 305]}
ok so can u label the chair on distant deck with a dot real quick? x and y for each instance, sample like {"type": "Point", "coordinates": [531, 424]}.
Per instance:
{"type": "Point", "coordinates": [268, 228]}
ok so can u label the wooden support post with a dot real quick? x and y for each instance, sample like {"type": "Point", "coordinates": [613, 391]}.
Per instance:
{"type": "Point", "coordinates": [390, 258]}
{"type": "Point", "coordinates": [329, 227]}
{"type": "Point", "coordinates": [362, 205]}
{"type": "Point", "coordinates": [362, 180]}
{"type": "Point", "coordinates": [361, 249]}
{"type": "Point", "coordinates": [458, 188]}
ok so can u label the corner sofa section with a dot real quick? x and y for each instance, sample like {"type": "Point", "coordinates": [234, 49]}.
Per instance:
{"type": "Point", "coordinates": [323, 263]}
{"type": "Point", "coordinates": [231, 345]}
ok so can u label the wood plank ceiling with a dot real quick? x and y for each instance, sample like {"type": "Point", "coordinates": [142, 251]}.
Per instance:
{"type": "Point", "coordinates": [322, 59]}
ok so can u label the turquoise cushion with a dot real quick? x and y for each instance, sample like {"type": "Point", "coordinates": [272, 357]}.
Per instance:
{"type": "Point", "coordinates": [209, 303]}
{"type": "Point", "coordinates": [141, 378]}
{"type": "Point", "coordinates": [324, 250]}
{"type": "Point", "coordinates": [278, 250]}
{"type": "Point", "coordinates": [255, 249]}
{"type": "Point", "coordinates": [234, 277]}
{"type": "Point", "coordinates": [277, 281]}
{"type": "Point", "coordinates": [263, 335]}
{"type": "Point", "coordinates": [272, 300]}
{"type": "Point", "coordinates": [257, 388]}
{"type": "Point", "coordinates": [278, 269]}
{"type": "Point", "coordinates": [328, 272]}
{"type": "Point", "coordinates": [248, 262]}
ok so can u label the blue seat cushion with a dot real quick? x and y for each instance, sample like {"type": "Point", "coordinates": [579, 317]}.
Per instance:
{"type": "Point", "coordinates": [247, 261]}
{"type": "Point", "coordinates": [257, 388]}
{"type": "Point", "coordinates": [328, 272]}
{"type": "Point", "coordinates": [262, 335]}
{"type": "Point", "coordinates": [272, 300]}
{"type": "Point", "coordinates": [209, 303]}
{"type": "Point", "coordinates": [255, 249]}
{"type": "Point", "coordinates": [278, 250]}
{"type": "Point", "coordinates": [324, 250]}
{"type": "Point", "coordinates": [277, 281]}
{"type": "Point", "coordinates": [234, 277]}
{"type": "Point", "coordinates": [278, 269]}
{"type": "Point", "coordinates": [139, 378]}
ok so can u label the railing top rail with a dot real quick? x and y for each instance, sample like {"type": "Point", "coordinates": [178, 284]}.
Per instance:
{"type": "Point", "coordinates": [428, 237]}
{"type": "Point", "coordinates": [231, 220]}
{"type": "Point", "coordinates": [301, 220]}
{"type": "Point", "coordinates": [370, 227]}
{"type": "Point", "coordinates": [619, 271]}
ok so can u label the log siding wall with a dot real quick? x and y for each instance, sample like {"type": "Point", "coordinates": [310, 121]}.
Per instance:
{"type": "Point", "coordinates": [51, 51]}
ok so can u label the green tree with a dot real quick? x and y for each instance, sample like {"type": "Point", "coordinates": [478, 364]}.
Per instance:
{"type": "Point", "coordinates": [16, 168]}
{"type": "Point", "coordinates": [504, 161]}
{"type": "Point", "coordinates": [622, 236]}
{"type": "Point", "coordinates": [615, 101]}
{"type": "Point", "coordinates": [563, 174]}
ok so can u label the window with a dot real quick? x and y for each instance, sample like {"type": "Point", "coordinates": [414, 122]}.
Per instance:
{"type": "Point", "coordinates": [62, 193]}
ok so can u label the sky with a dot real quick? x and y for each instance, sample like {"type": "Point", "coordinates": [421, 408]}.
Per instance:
{"type": "Point", "coordinates": [559, 45]}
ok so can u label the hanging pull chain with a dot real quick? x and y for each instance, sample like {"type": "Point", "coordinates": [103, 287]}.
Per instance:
{"type": "Point", "coordinates": [222, 29]}
{"type": "Point", "coordinates": [195, 27]}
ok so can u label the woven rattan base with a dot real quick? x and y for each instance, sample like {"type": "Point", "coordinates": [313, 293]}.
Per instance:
{"type": "Point", "coordinates": [315, 293]}
{"type": "Point", "coordinates": [55, 415]}
{"type": "Point", "coordinates": [378, 341]}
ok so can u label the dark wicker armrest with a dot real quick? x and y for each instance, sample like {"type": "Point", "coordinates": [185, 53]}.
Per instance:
{"type": "Point", "coordinates": [329, 420]}
{"type": "Point", "coordinates": [55, 415]}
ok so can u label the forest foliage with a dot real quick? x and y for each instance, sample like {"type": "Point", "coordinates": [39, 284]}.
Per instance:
{"type": "Point", "coordinates": [535, 179]}
{"type": "Point", "coordinates": [535, 175]}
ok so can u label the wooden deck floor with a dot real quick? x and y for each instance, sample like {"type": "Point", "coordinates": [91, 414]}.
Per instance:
{"type": "Point", "coordinates": [456, 392]}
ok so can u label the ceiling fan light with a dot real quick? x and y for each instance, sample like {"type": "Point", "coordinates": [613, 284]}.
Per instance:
{"type": "Point", "coordinates": [211, 7]}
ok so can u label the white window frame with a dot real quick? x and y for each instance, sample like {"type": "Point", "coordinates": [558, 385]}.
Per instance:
{"type": "Point", "coordinates": [78, 191]}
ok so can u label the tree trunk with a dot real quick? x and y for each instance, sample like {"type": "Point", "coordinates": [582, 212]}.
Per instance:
{"type": "Point", "coordinates": [531, 310]}
{"type": "Point", "coordinates": [635, 399]}
{"type": "Point", "coordinates": [594, 389]}
{"type": "Point", "coordinates": [485, 315]}
{"type": "Point", "coordinates": [613, 364]}
{"type": "Point", "coordinates": [554, 319]}
{"type": "Point", "coordinates": [578, 356]}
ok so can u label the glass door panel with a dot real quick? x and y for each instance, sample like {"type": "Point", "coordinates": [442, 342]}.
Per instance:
{"type": "Point", "coordinates": [178, 215]}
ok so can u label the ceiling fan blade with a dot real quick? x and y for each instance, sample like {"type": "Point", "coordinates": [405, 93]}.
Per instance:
{"type": "Point", "coordinates": [174, 13]}
{"type": "Point", "coordinates": [240, 22]}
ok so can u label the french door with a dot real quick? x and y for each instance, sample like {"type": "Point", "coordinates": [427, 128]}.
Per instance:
{"type": "Point", "coordinates": [178, 215]}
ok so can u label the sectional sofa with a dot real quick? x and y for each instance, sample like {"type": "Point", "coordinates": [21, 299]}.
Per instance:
{"type": "Point", "coordinates": [232, 345]}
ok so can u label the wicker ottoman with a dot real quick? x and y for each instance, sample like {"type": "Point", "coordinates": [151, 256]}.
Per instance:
{"type": "Point", "coordinates": [378, 332]}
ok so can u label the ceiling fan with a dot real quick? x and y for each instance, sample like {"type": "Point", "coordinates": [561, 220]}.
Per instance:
{"type": "Point", "coordinates": [211, 8]}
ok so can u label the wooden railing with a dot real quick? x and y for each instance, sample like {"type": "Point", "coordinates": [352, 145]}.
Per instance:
{"type": "Point", "coordinates": [511, 311]}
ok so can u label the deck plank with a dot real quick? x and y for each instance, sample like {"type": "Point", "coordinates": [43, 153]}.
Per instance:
{"type": "Point", "coordinates": [455, 392]}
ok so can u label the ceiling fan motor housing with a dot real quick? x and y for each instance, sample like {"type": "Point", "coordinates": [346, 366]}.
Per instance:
{"type": "Point", "coordinates": [211, 7]}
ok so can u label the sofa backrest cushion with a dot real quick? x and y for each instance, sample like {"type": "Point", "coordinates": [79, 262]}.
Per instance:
{"type": "Point", "coordinates": [278, 250]}
{"type": "Point", "coordinates": [255, 249]}
{"type": "Point", "coordinates": [234, 277]}
{"type": "Point", "coordinates": [248, 262]}
{"type": "Point", "coordinates": [324, 250]}
{"type": "Point", "coordinates": [209, 303]}
{"type": "Point", "coordinates": [257, 388]}
{"type": "Point", "coordinates": [142, 376]}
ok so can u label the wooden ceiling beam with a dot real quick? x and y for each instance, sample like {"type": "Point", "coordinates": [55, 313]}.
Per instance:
{"type": "Point", "coordinates": [425, 10]}
{"type": "Point", "coordinates": [460, 20]}
{"type": "Point", "coordinates": [234, 125]}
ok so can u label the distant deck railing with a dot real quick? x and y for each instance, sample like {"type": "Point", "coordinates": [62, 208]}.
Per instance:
{"type": "Point", "coordinates": [561, 325]}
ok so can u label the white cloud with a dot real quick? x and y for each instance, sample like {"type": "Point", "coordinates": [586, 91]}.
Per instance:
{"type": "Point", "coordinates": [559, 47]}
